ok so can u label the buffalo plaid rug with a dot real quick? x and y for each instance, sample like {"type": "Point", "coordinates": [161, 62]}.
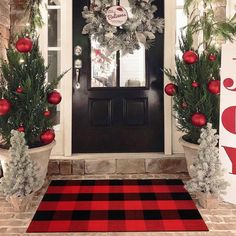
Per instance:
{"type": "Point", "coordinates": [116, 205]}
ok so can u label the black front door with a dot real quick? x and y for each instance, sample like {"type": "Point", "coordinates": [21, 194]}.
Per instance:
{"type": "Point", "coordinates": [118, 104]}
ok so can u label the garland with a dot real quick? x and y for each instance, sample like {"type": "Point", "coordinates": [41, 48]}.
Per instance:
{"type": "Point", "coordinates": [140, 28]}
{"type": "Point", "coordinates": [32, 8]}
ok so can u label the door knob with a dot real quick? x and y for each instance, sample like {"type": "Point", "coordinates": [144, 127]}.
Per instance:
{"type": "Point", "coordinates": [77, 50]}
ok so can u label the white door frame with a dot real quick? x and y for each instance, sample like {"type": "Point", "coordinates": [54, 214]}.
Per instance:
{"type": "Point", "coordinates": [64, 135]}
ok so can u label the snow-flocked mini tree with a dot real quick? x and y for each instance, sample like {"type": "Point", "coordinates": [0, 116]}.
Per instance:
{"type": "Point", "coordinates": [21, 177]}
{"type": "Point", "coordinates": [207, 167]}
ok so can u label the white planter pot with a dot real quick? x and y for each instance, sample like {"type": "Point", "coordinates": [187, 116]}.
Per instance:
{"type": "Point", "coordinates": [191, 153]}
{"type": "Point", "coordinates": [39, 154]}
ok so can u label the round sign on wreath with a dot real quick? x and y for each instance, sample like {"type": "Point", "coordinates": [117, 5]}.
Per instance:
{"type": "Point", "coordinates": [116, 16]}
{"type": "Point", "coordinates": [117, 30]}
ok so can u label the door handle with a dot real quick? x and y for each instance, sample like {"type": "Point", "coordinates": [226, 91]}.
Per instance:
{"type": "Point", "coordinates": [78, 66]}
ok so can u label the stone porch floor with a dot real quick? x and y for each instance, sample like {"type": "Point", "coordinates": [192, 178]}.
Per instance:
{"type": "Point", "coordinates": [221, 221]}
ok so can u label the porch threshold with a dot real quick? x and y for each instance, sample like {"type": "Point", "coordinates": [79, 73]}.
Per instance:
{"type": "Point", "coordinates": [117, 163]}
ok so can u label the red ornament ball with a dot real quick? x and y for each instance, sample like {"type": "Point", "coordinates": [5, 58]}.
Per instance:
{"type": "Point", "coordinates": [195, 84]}
{"type": "Point", "coordinates": [24, 45]}
{"type": "Point", "coordinates": [214, 87]}
{"type": "Point", "coordinates": [54, 97]}
{"type": "Point", "coordinates": [47, 136]}
{"type": "Point", "coordinates": [212, 57]}
{"type": "Point", "coordinates": [190, 57]}
{"type": "Point", "coordinates": [21, 129]}
{"type": "Point", "coordinates": [171, 89]}
{"type": "Point", "coordinates": [5, 106]}
{"type": "Point", "coordinates": [46, 113]}
{"type": "Point", "coordinates": [19, 89]}
{"type": "Point", "coordinates": [198, 119]}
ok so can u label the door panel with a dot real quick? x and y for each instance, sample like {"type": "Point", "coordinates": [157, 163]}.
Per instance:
{"type": "Point", "coordinates": [135, 112]}
{"type": "Point", "coordinates": [122, 116]}
{"type": "Point", "coordinates": [100, 112]}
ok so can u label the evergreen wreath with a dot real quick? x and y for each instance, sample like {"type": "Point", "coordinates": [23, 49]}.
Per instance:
{"type": "Point", "coordinates": [140, 28]}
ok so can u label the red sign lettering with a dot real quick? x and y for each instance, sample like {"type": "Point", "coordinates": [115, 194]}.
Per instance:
{"type": "Point", "coordinates": [228, 82]}
{"type": "Point", "coordinates": [231, 152]}
{"type": "Point", "coordinates": [229, 119]}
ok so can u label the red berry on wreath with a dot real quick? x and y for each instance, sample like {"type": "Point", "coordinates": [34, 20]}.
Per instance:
{"type": "Point", "coordinates": [54, 97]}
{"type": "Point", "coordinates": [97, 52]}
{"type": "Point", "coordinates": [198, 119]}
{"type": "Point", "coordinates": [46, 113]}
{"type": "Point", "coordinates": [47, 136]}
{"type": "Point", "coordinates": [212, 57]}
{"type": "Point", "coordinates": [21, 128]}
{"type": "Point", "coordinates": [214, 86]}
{"type": "Point", "coordinates": [5, 106]}
{"type": "Point", "coordinates": [24, 45]}
{"type": "Point", "coordinates": [171, 89]}
{"type": "Point", "coordinates": [190, 57]}
{"type": "Point", "coordinates": [19, 89]}
{"type": "Point", "coordinates": [195, 84]}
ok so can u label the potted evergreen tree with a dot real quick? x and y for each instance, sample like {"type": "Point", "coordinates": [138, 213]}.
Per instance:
{"type": "Point", "coordinates": [21, 177]}
{"type": "Point", "coordinates": [27, 101]}
{"type": "Point", "coordinates": [195, 85]}
{"type": "Point", "coordinates": [207, 181]}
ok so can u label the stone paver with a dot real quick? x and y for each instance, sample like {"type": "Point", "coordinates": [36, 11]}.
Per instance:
{"type": "Point", "coordinates": [130, 166]}
{"type": "Point", "coordinates": [100, 166]}
{"type": "Point", "coordinates": [221, 221]}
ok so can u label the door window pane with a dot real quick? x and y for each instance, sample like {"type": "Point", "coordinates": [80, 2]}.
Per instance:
{"type": "Point", "coordinates": [179, 2]}
{"type": "Point", "coordinates": [54, 64]}
{"type": "Point", "coordinates": [132, 69]}
{"type": "Point", "coordinates": [53, 27]}
{"type": "Point", "coordinates": [181, 21]}
{"type": "Point", "coordinates": [53, 2]}
{"type": "Point", "coordinates": [103, 65]}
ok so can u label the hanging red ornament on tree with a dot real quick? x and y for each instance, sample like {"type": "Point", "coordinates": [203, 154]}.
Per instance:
{"type": "Point", "coordinates": [19, 89]}
{"type": "Point", "coordinates": [5, 106]}
{"type": "Point", "coordinates": [47, 113]}
{"type": "Point", "coordinates": [21, 128]}
{"type": "Point", "coordinates": [54, 97]}
{"type": "Point", "coordinates": [212, 57]}
{"type": "Point", "coordinates": [195, 84]}
{"type": "Point", "coordinates": [190, 57]}
{"type": "Point", "coordinates": [171, 89]}
{"type": "Point", "coordinates": [47, 136]}
{"type": "Point", "coordinates": [198, 119]}
{"type": "Point", "coordinates": [24, 45]}
{"type": "Point", "coordinates": [214, 87]}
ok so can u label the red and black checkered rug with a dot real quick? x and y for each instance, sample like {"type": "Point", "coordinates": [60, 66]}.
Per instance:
{"type": "Point", "coordinates": [116, 206]}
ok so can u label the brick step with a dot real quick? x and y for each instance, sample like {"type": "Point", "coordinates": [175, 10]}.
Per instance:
{"type": "Point", "coordinates": [130, 165]}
